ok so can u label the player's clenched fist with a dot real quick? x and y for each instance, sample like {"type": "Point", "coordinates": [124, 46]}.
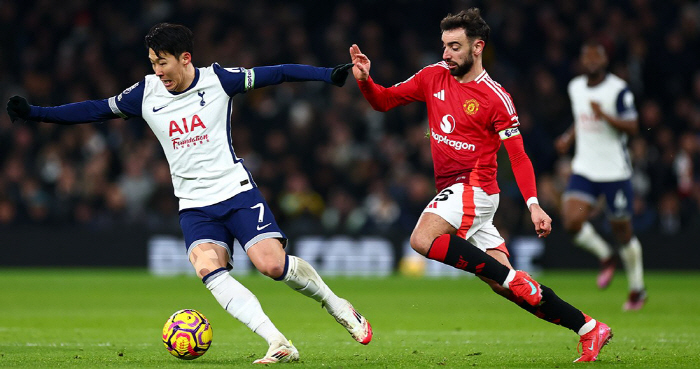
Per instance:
{"type": "Point", "coordinates": [17, 107]}
{"type": "Point", "coordinates": [542, 221]}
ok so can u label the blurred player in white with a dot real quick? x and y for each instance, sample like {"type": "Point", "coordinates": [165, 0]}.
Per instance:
{"type": "Point", "coordinates": [469, 115]}
{"type": "Point", "coordinates": [604, 118]}
{"type": "Point", "coordinates": [189, 111]}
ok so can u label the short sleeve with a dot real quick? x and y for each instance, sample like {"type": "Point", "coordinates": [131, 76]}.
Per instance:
{"type": "Point", "coordinates": [625, 105]}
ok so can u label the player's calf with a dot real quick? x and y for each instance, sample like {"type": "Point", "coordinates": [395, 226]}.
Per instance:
{"type": "Point", "coordinates": [459, 253]}
{"type": "Point", "coordinates": [303, 278]}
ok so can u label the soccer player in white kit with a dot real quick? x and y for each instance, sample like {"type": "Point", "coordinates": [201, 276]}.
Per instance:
{"type": "Point", "coordinates": [604, 117]}
{"type": "Point", "coordinates": [469, 116]}
{"type": "Point", "coordinates": [189, 111]}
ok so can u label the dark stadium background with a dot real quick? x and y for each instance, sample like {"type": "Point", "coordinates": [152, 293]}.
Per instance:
{"type": "Point", "coordinates": [97, 194]}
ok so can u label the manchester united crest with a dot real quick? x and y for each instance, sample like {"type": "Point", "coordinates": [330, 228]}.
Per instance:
{"type": "Point", "coordinates": [471, 106]}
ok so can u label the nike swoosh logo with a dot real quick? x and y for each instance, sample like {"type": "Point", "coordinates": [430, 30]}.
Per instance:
{"type": "Point", "coordinates": [534, 290]}
{"type": "Point", "coordinates": [155, 110]}
{"type": "Point", "coordinates": [592, 343]}
{"type": "Point", "coordinates": [263, 227]}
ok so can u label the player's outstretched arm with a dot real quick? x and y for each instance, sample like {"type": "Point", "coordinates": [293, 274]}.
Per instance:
{"type": "Point", "coordinates": [361, 62]}
{"type": "Point", "coordinates": [259, 77]}
{"type": "Point", "coordinates": [380, 97]}
{"type": "Point", "coordinates": [80, 112]}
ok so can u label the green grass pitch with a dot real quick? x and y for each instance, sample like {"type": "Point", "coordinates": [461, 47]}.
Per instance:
{"type": "Point", "coordinates": [113, 318]}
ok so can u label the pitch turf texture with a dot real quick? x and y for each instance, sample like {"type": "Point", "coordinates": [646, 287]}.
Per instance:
{"type": "Point", "coordinates": [113, 318]}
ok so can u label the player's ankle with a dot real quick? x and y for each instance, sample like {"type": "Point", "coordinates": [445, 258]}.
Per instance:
{"type": "Point", "coordinates": [509, 278]}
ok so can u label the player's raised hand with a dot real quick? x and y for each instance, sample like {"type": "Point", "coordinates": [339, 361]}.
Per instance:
{"type": "Point", "coordinates": [362, 64]}
{"type": "Point", "coordinates": [542, 221]}
{"type": "Point", "coordinates": [17, 107]}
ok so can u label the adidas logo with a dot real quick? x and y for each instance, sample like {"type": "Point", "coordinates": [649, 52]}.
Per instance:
{"type": "Point", "coordinates": [440, 95]}
{"type": "Point", "coordinates": [280, 354]}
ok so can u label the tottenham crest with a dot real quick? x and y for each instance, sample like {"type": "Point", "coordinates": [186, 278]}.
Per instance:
{"type": "Point", "coordinates": [471, 106]}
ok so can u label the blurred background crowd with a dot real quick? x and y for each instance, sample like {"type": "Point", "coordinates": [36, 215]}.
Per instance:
{"type": "Point", "coordinates": [327, 162]}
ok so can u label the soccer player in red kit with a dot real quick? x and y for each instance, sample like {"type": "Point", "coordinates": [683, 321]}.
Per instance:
{"type": "Point", "coordinates": [469, 115]}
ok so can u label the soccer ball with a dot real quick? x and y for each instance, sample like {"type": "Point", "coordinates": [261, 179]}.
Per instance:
{"type": "Point", "coordinates": [412, 265]}
{"type": "Point", "coordinates": [187, 334]}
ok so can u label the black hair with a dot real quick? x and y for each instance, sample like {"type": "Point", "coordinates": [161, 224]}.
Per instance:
{"type": "Point", "coordinates": [174, 39]}
{"type": "Point", "coordinates": [593, 43]}
{"type": "Point", "coordinates": [470, 19]}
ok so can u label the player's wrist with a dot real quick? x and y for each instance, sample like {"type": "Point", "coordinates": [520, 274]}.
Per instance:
{"type": "Point", "coordinates": [532, 201]}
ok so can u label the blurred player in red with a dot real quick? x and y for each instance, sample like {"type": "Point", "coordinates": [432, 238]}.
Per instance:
{"type": "Point", "coordinates": [469, 115]}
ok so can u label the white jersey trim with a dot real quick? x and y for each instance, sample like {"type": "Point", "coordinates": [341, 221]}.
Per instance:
{"type": "Point", "coordinates": [112, 101]}
{"type": "Point", "coordinates": [504, 98]}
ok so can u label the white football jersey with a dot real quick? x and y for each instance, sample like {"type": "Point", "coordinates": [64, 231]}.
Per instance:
{"type": "Point", "coordinates": [194, 129]}
{"type": "Point", "coordinates": [192, 126]}
{"type": "Point", "coordinates": [601, 150]}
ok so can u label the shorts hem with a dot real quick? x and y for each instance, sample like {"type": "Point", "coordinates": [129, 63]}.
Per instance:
{"type": "Point", "coordinates": [456, 226]}
{"type": "Point", "coordinates": [580, 195]}
{"type": "Point", "coordinates": [264, 236]}
{"type": "Point", "coordinates": [206, 240]}
{"type": "Point", "coordinates": [502, 248]}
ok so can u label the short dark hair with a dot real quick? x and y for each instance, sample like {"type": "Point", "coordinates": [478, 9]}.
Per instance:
{"type": "Point", "coordinates": [174, 39]}
{"type": "Point", "coordinates": [470, 19]}
{"type": "Point", "coordinates": [594, 43]}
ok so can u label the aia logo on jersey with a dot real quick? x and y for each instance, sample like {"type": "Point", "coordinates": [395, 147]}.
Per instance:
{"type": "Point", "coordinates": [448, 123]}
{"type": "Point", "coordinates": [195, 122]}
{"type": "Point", "coordinates": [187, 127]}
{"type": "Point", "coordinates": [471, 106]}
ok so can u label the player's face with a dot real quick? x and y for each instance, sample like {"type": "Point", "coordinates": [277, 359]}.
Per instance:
{"type": "Point", "coordinates": [457, 51]}
{"type": "Point", "coordinates": [170, 69]}
{"type": "Point", "coordinates": [593, 59]}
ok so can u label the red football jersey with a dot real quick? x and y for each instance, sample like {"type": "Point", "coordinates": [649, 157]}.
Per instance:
{"type": "Point", "coordinates": [467, 122]}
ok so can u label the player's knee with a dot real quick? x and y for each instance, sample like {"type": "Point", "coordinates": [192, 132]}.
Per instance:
{"type": "Point", "coordinates": [271, 268]}
{"type": "Point", "coordinates": [204, 268]}
{"type": "Point", "coordinates": [622, 231]}
{"type": "Point", "coordinates": [420, 242]}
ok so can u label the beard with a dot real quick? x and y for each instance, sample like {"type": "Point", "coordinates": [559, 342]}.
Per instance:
{"type": "Point", "coordinates": [463, 68]}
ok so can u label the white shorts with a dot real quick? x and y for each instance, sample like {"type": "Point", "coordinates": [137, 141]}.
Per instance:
{"type": "Point", "coordinates": [470, 210]}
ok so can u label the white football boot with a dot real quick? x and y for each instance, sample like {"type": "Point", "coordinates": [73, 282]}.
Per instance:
{"type": "Point", "coordinates": [279, 353]}
{"type": "Point", "coordinates": [354, 322]}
